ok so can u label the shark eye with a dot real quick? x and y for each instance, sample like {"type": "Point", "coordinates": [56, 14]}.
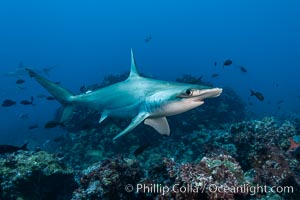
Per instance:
{"type": "Point", "coordinates": [189, 92]}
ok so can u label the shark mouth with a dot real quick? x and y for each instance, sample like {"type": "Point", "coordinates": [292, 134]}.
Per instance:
{"type": "Point", "coordinates": [199, 95]}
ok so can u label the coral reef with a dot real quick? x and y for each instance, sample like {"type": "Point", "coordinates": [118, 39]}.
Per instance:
{"type": "Point", "coordinates": [220, 171]}
{"type": "Point", "coordinates": [107, 179]}
{"type": "Point", "coordinates": [35, 175]}
{"type": "Point", "coordinates": [256, 149]}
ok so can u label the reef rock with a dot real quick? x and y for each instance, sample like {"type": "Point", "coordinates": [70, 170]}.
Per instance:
{"type": "Point", "coordinates": [107, 180]}
{"type": "Point", "coordinates": [35, 175]}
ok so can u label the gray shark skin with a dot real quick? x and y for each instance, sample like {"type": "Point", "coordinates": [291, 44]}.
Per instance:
{"type": "Point", "coordinates": [139, 98]}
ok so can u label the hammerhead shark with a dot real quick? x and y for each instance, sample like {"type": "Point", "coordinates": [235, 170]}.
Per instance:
{"type": "Point", "coordinates": [139, 98]}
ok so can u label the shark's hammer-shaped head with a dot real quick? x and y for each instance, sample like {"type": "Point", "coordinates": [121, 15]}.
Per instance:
{"type": "Point", "coordinates": [175, 98]}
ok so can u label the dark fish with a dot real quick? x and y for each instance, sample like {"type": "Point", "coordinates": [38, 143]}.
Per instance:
{"type": "Point", "coordinates": [215, 75]}
{"type": "Point", "coordinates": [10, 149]}
{"type": "Point", "coordinates": [243, 69]}
{"type": "Point", "coordinates": [50, 98]}
{"type": "Point", "coordinates": [227, 62]}
{"type": "Point", "coordinates": [52, 124]}
{"type": "Point", "coordinates": [34, 126]}
{"type": "Point", "coordinates": [26, 102]}
{"type": "Point", "coordinates": [20, 81]}
{"type": "Point", "coordinates": [141, 149]}
{"type": "Point", "coordinates": [8, 102]}
{"type": "Point", "coordinates": [215, 63]}
{"type": "Point", "coordinates": [258, 95]}
{"type": "Point", "coordinates": [148, 39]}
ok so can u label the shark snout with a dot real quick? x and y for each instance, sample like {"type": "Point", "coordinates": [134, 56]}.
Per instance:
{"type": "Point", "coordinates": [208, 93]}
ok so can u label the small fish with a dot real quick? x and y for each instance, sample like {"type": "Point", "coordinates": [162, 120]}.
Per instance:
{"type": "Point", "coordinates": [141, 149]}
{"type": "Point", "coordinates": [34, 126]}
{"type": "Point", "coordinates": [243, 69]}
{"type": "Point", "coordinates": [20, 81]}
{"type": "Point", "coordinates": [10, 149]}
{"type": "Point", "coordinates": [215, 63]}
{"type": "Point", "coordinates": [148, 39]}
{"type": "Point", "coordinates": [8, 102]}
{"type": "Point", "coordinates": [258, 95]}
{"type": "Point", "coordinates": [227, 62]}
{"type": "Point", "coordinates": [50, 98]}
{"type": "Point", "coordinates": [26, 102]}
{"type": "Point", "coordinates": [215, 75]}
{"type": "Point", "coordinates": [52, 124]}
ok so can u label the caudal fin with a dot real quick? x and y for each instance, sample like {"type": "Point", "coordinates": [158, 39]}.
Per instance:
{"type": "Point", "coordinates": [61, 94]}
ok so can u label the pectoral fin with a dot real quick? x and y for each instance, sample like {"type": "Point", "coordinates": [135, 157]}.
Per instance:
{"type": "Point", "coordinates": [159, 124]}
{"type": "Point", "coordinates": [135, 121]}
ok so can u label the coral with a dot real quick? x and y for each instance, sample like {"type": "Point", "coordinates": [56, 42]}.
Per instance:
{"type": "Point", "coordinates": [35, 175]}
{"type": "Point", "coordinates": [262, 147]}
{"type": "Point", "coordinates": [107, 179]}
{"type": "Point", "coordinates": [197, 178]}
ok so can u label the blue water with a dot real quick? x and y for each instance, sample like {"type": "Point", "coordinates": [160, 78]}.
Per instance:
{"type": "Point", "coordinates": [86, 40]}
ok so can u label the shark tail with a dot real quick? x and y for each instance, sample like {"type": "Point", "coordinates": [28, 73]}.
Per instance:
{"type": "Point", "coordinates": [61, 94]}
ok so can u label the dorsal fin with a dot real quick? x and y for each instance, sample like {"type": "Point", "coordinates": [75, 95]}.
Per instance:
{"type": "Point", "coordinates": [133, 71]}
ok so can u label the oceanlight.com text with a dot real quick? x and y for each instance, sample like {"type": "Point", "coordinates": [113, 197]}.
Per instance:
{"type": "Point", "coordinates": [207, 188]}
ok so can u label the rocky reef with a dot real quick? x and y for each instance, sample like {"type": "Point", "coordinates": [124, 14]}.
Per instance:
{"type": "Point", "coordinates": [191, 165]}
{"type": "Point", "coordinates": [252, 153]}
{"type": "Point", "coordinates": [107, 179]}
{"type": "Point", "coordinates": [31, 175]}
